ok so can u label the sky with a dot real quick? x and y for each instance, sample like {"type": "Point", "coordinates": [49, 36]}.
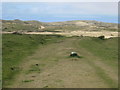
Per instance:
{"type": "Point", "coordinates": [60, 0]}
{"type": "Point", "coordinates": [61, 11]}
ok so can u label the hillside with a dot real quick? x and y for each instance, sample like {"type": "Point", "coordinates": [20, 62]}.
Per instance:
{"type": "Point", "coordinates": [36, 26]}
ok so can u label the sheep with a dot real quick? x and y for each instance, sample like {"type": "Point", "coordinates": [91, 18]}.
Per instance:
{"type": "Point", "coordinates": [73, 54]}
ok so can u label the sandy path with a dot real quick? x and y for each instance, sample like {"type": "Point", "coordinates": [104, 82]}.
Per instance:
{"type": "Point", "coordinates": [107, 34]}
{"type": "Point", "coordinates": [60, 71]}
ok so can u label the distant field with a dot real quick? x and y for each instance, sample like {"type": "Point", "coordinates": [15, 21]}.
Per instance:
{"type": "Point", "coordinates": [97, 67]}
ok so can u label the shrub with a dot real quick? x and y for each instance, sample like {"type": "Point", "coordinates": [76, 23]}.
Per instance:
{"type": "Point", "coordinates": [101, 37]}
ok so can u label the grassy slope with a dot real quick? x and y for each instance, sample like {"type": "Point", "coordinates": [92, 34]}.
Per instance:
{"type": "Point", "coordinates": [17, 47]}
{"type": "Point", "coordinates": [107, 50]}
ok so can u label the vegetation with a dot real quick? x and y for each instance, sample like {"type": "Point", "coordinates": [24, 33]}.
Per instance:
{"type": "Point", "coordinates": [28, 80]}
{"type": "Point", "coordinates": [29, 26]}
{"type": "Point", "coordinates": [102, 37]}
{"type": "Point", "coordinates": [105, 49]}
{"type": "Point", "coordinates": [16, 47]}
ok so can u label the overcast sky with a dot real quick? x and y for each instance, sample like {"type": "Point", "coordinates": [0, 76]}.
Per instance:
{"type": "Point", "coordinates": [61, 11]}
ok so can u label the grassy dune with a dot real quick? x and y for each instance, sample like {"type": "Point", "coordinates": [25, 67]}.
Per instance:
{"type": "Point", "coordinates": [97, 65]}
{"type": "Point", "coordinates": [83, 25]}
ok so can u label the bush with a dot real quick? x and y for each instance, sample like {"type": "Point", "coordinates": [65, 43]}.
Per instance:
{"type": "Point", "coordinates": [101, 37]}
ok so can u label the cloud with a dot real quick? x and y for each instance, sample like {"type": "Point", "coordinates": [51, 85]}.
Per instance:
{"type": "Point", "coordinates": [63, 8]}
{"type": "Point", "coordinates": [75, 8]}
{"type": "Point", "coordinates": [106, 8]}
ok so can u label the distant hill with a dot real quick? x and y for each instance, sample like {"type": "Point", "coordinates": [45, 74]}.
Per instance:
{"type": "Point", "coordinates": [86, 25]}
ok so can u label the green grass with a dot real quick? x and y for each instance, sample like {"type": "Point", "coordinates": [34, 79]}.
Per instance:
{"type": "Point", "coordinates": [27, 81]}
{"type": "Point", "coordinates": [107, 49]}
{"type": "Point", "coordinates": [17, 47]}
{"type": "Point", "coordinates": [100, 72]}
{"type": "Point", "coordinates": [34, 69]}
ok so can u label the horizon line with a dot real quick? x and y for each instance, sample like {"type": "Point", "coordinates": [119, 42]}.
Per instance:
{"type": "Point", "coordinates": [63, 20]}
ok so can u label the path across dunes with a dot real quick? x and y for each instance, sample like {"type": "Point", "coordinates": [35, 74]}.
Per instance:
{"type": "Point", "coordinates": [107, 34]}
{"type": "Point", "coordinates": [57, 70]}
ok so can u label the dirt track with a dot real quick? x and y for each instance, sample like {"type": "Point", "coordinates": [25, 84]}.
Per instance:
{"type": "Point", "coordinates": [107, 34]}
{"type": "Point", "coordinates": [59, 71]}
